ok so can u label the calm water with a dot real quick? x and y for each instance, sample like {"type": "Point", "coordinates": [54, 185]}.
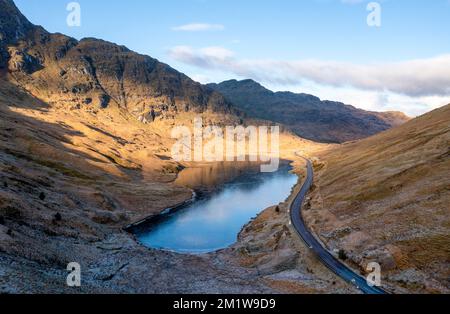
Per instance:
{"type": "Point", "coordinates": [236, 194]}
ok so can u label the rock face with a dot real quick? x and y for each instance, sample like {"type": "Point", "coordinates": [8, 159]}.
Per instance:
{"type": "Point", "coordinates": [307, 115]}
{"type": "Point", "coordinates": [57, 68]}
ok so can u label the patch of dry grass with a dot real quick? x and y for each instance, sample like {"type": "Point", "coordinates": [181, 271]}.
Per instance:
{"type": "Point", "coordinates": [395, 188]}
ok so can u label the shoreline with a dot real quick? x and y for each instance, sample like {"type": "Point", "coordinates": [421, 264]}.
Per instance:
{"type": "Point", "coordinates": [204, 191]}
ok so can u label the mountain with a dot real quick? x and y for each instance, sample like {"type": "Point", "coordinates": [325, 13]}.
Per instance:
{"type": "Point", "coordinates": [307, 115]}
{"type": "Point", "coordinates": [386, 199]}
{"type": "Point", "coordinates": [97, 74]}
{"type": "Point", "coordinates": [85, 150]}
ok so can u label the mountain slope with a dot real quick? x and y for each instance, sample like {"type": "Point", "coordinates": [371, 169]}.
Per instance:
{"type": "Point", "coordinates": [307, 115]}
{"type": "Point", "coordinates": [386, 199]}
{"type": "Point", "coordinates": [85, 150]}
{"type": "Point", "coordinates": [13, 27]}
{"type": "Point", "coordinates": [69, 183]}
{"type": "Point", "coordinates": [96, 73]}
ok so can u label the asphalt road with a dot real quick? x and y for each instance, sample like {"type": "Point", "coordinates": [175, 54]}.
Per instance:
{"type": "Point", "coordinates": [326, 257]}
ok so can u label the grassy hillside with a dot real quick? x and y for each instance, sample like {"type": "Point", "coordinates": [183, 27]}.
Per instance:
{"type": "Point", "coordinates": [387, 199]}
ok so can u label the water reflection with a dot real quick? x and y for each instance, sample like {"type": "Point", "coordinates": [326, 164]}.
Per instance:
{"type": "Point", "coordinates": [239, 193]}
{"type": "Point", "coordinates": [211, 176]}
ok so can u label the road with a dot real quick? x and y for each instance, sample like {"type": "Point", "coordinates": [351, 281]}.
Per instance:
{"type": "Point", "coordinates": [326, 257]}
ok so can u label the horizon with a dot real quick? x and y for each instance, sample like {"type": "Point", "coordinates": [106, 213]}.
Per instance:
{"type": "Point", "coordinates": [212, 41]}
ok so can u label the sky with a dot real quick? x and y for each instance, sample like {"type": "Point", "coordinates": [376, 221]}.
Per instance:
{"type": "Point", "coordinates": [391, 55]}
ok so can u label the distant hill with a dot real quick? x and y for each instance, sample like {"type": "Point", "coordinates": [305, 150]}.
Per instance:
{"type": "Point", "coordinates": [307, 115]}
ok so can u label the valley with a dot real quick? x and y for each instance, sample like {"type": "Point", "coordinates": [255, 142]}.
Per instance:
{"type": "Point", "coordinates": [86, 150]}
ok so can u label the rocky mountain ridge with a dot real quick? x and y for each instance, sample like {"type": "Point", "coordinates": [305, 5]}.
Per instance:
{"type": "Point", "coordinates": [307, 115]}
{"type": "Point", "coordinates": [92, 72]}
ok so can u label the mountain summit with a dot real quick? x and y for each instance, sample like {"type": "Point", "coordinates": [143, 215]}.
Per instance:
{"type": "Point", "coordinates": [91, 72]}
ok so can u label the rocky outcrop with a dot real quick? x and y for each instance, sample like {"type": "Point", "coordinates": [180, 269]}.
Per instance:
{"type": "Point", "coordinates": [395, 212]}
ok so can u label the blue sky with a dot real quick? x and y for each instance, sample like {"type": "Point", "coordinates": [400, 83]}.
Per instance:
{"type": "Point", "coordinates": [324, 47]}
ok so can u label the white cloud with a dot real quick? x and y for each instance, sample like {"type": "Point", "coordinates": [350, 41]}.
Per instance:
{"type": "Point", "coordinates": [413, 87]}
{"type": "Point", "coordinates": [371, 100]}
{"type": "Point", "coordinates": [207, 57]}
{"type": "Point", "coordinates": [199, 27]}
{"type": "Point", "coordinates": [201, 78]}
{"type": "Point", "coordinates": [421, 77]}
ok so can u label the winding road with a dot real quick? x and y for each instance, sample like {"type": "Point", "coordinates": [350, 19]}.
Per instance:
{"type": "Point", "coordinates": [323, 254]}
